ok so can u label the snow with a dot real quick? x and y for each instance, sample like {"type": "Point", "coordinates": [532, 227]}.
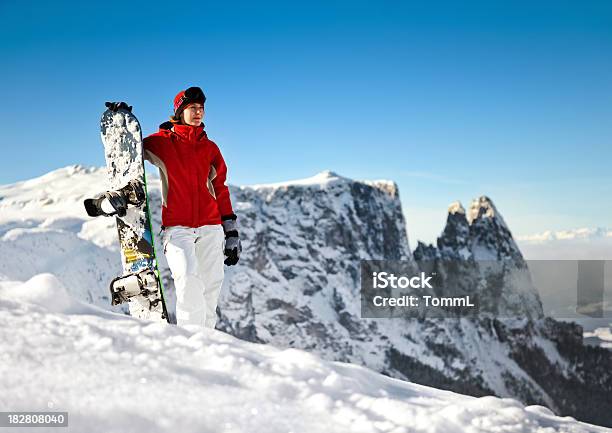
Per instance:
{"type": "Point", "coordinates": [456, 208]}
{"type": "Point", "coordinates": [322, 180]}
{"type": "Point", "coordinates": [43, 289]}
{"type": "Point", "coordinates": [603, 334]}
{"type": "Point", "coordinates": [80, 265]}
{"type": "Point", "coordinates": [121, 131]}
{"type": "Point", "coordinates": [579, 233]}
{"type": "Point", "coordinates": [114, 373]}
{"type": "Point", "coordinates": [483, 205]}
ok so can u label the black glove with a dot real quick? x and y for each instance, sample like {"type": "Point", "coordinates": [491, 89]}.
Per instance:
{"type": "Point", "coordinates": [233, 247]}
{"type": "Point", "coordinates": [115, 106]}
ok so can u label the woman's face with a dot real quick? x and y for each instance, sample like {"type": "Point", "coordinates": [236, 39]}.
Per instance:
{"type": "Point", "coordinates": [193, 114]}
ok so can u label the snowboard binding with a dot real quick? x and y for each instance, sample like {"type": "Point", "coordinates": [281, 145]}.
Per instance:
{"type": "Point", "coordinates": [131, 194]}
{"type": "Point", "coordinates": [143, 283]}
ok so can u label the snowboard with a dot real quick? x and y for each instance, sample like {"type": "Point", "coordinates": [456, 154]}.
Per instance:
{"type": "Point", "coordinates": [140, 284]}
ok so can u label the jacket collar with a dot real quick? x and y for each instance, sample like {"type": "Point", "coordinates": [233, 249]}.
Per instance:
{"type": "Point", "coordinates": [190, 133]}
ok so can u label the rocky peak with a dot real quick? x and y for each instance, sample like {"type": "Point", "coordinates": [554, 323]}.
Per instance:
{"type": "Point", "coordinates": [454, 241]}
{"type": "Point", "coordinates": [490, 237]}
{"type": "Point", "coordinates": [477, 255]}
{"type": "Point", "coordinates": [456, 208]}
{"type": "Point", "coordinates": [480, 234]}
{"type": "Point", "coordinates": [327, 174]}
{"type": "Point", "coordinates": [483, 207]}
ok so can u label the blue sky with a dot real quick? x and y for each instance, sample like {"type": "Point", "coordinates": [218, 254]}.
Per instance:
{"type": "Point", "coordinates": [449, 99]}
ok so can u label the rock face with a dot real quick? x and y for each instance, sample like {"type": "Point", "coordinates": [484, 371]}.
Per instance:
{"type": "Point", "coordinates": [297, 283]}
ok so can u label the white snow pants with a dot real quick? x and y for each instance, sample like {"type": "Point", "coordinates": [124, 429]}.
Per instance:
{"type": "Point", "coordinates": [195, 257]}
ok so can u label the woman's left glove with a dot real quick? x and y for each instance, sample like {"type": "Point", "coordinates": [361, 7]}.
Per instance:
{"type": "Point", "coordinates": [233, 247]}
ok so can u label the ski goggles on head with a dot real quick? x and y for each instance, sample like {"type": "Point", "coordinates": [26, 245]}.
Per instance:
{"type": "Point", "coordinates": [191, 95]}
{"type": "Point", "coordinates": [194, 94]}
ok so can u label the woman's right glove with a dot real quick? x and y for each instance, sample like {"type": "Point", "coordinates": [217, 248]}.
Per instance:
{"type": "Point", "coordinates": [233, 247]}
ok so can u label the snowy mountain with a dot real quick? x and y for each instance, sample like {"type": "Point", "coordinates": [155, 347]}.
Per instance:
{"type": "Point", "coordinates": [297, 284]}
{"type": "Point", "coordinates": [114, 373]}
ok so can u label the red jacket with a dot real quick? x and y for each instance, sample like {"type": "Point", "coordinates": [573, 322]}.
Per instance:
{"type": "Point", "coordinates": [193, 174]}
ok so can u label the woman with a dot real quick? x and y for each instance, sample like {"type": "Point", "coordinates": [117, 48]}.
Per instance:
{"type": "Point", "coordinates": [197, 217]}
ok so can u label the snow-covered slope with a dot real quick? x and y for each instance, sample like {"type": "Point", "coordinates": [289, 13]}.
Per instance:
{"type": "Point", "coordinates": [113, 373]}
{"type": "Point", "coordinates": [297, 284]}
{"type": "Point", "coordinates": [43, 229]}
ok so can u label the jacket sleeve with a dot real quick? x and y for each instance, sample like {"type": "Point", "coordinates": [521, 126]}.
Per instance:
{"type": "Point", "coordinates": [153, 146]}
{"type": "Point", "coordinates": [218, 182]}
{"type": "Point", "coordinates": [152, 149]}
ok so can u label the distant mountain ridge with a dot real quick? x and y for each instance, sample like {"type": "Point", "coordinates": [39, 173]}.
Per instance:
{"type": "Point", "coordinates": [579, 233]}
